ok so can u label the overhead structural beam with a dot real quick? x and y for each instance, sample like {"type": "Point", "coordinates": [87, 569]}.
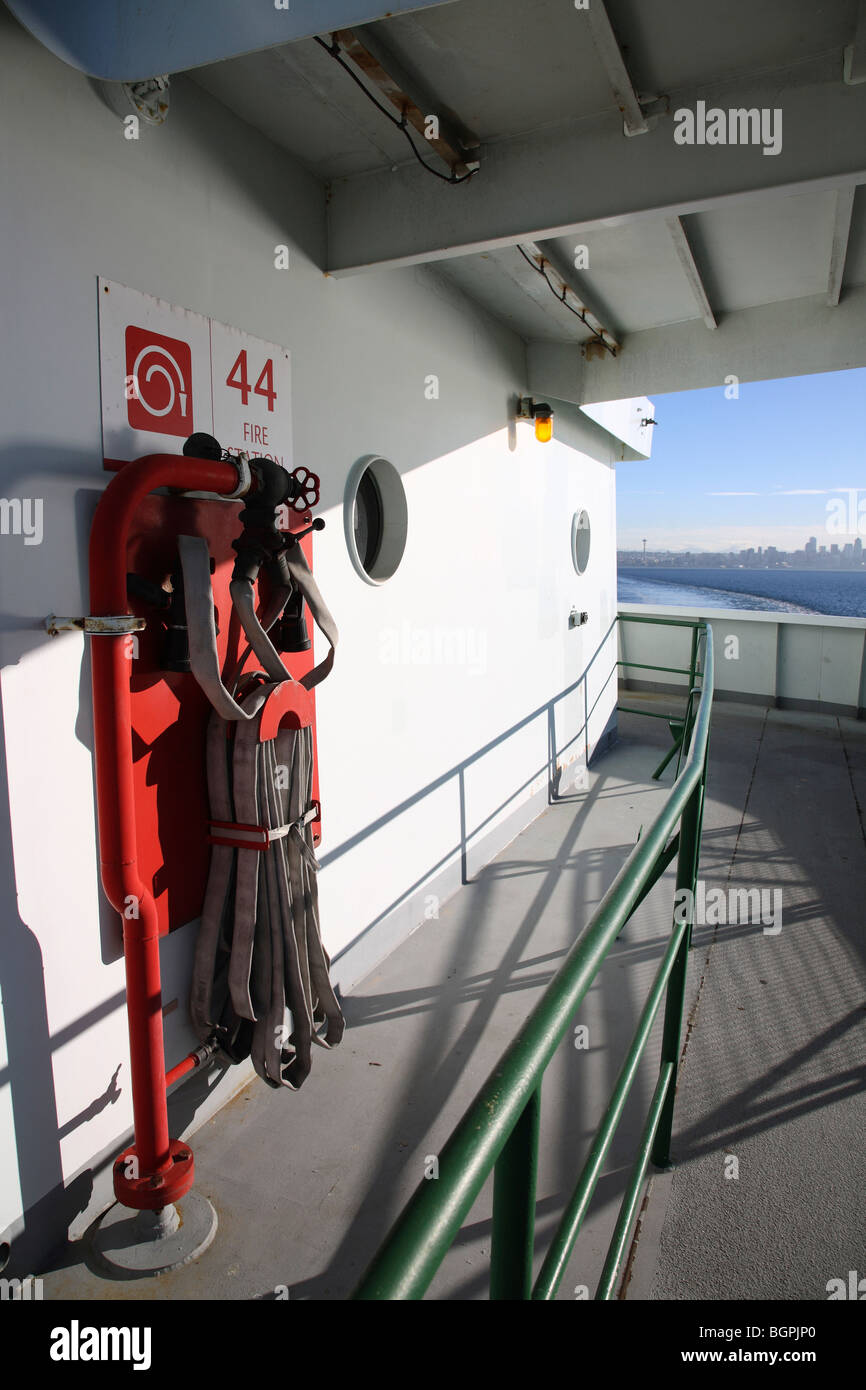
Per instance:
{"type": "Point", "coordinates": [560, 264]}
{"type": "Point", "coordinates": [510, 263]}
{"type": "Point", "coordinates": [562, 290]}
{"type": "Point", "coordinates": [855, 54]}
{"type": "Point", "coordinates": [382, 72]}
{"type": "Point", "coordinates": [554, 182]}
{"type": "Point", "coordinates": [120, 42]}
{"type": "Point", "coordinates": [610, 54]}
{"type": "Point", "coordinates": [839, 247]}
{"type": "Point", "coordinates": [794, 337]}
{"type": "Point", "coordinates": [690, 269]}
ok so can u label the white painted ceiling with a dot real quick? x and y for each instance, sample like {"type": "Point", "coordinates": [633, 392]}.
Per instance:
{"type": "Point", "coordinates": [509, 67]}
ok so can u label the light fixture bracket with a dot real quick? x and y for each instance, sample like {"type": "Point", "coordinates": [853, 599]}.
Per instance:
{"type": "Point", "coordinates": [530, 409]}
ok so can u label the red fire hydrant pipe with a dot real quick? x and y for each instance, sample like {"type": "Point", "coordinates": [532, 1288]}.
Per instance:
{"type": "Point", "coordinates": [154, 1170]}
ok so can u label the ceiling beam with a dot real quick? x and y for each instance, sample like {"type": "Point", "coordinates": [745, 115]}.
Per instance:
{"type": "Point", "coordinates": [794, 337]}
{"type": "Point", "coordinates": [690, 269]}
{"type": "Point", "coordinates": [560, 289]}
{"type": "Point", "coordinates": [839, 246]}
{"type": "Point", "coordinates": [510, 263]}
{"type": "Point", "coordinates": [121, 42]}
{"type": "Point", "coordinates": [594, 307]}
{"type": "Point", "coordinates": [572, 178]}
{"type": "Point", "coordinates": [610, 55]}
{"type": "Point", "coordinates": [383, 72]}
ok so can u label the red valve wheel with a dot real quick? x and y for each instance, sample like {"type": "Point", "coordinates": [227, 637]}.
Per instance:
{"type": "Point", "coordinates": [310, 487]}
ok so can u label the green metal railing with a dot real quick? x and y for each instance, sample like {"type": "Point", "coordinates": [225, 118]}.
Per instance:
{"type": "Point", "coordinates": [679, 726]}
{"type": "Point", "coordinates": [500, 1131]}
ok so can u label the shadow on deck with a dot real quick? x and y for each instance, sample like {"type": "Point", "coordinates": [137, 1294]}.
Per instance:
{"type": "Point", "coordinates": [307, 1185]}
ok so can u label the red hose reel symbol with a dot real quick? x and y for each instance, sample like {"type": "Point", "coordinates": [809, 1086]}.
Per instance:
{"type": "Point", "coordinates": [309, 486]}
{"type": "Point", "coordinates": [158, 386]}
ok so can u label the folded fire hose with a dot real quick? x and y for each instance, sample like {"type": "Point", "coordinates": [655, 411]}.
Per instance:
{"type": "Point", "coordinates": [259, 951]}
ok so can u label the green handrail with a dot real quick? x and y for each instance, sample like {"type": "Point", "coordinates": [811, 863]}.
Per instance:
{"type": "Point", "coordinates": [500, 1130]}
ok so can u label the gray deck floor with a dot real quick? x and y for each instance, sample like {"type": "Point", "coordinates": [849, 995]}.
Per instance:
{"type": "Point", "coordinates": [307, 1184]}
{"type": "Point", "coordinates": [775, 1072]}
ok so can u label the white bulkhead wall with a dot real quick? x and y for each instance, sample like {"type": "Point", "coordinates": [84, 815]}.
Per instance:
{"type": "Point", "coordinates": [461, 646]}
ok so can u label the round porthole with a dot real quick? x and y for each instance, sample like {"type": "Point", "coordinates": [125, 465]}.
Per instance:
{"type": "Point", "coordinates": [580, 538]}
{"type": "Point", "coordinates": [375, 518]}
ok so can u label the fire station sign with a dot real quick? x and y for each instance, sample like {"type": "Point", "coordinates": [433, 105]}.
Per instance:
{"type": "Point", "coordinates": [167, 373]}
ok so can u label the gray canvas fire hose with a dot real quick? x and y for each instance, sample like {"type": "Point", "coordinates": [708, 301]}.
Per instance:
{"type": "Point", "coordinates": [259, 952]}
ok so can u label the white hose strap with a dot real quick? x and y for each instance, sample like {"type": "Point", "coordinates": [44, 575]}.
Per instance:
{"type": "Point", "coordinates": [256, 634]}
{"type": "Point", "coordinates": [244, 601]}
{"type": "Point", "coordinates": [203, 655]}
{"type": "Point", "coordinates": [302, 575]}
{"type": "Point", "coordinates": [274, 607]}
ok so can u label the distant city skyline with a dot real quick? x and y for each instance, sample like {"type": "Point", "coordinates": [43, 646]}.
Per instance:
{"type": "Point", "coordinates": [783, 461]}
{"type": "Point", "coordinates": [816, 555]}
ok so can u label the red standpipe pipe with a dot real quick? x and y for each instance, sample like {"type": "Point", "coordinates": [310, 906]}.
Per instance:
{"type": "Point", "coordinates": [154, 1170]}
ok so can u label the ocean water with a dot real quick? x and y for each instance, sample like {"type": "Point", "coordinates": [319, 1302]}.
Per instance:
{"type": "Point", "coordinates": [840, 593]}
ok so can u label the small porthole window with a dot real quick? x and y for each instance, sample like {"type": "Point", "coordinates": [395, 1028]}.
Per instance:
{"type": "Point", "coordinates": [375, 518]}
{"type": "Point", "coordinates": [368, 520]}
{"type": "Point", "coordinates": [580, 539]}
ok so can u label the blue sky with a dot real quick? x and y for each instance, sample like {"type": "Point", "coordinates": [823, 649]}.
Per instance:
{"type": "Point", "coordinates": [794, 446]}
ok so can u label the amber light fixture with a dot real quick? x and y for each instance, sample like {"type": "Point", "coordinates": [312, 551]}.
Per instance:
{"type": "Point", "coordinates": [541, 413]}
{"type": "Point", "coordinates": [543, 417]}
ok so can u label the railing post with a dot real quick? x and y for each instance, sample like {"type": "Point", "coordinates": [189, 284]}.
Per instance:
{"type": "Point", "coordinates": [693, 659]}
{"type": "Point", "coordinates": [690, 717]}
{"type": "Point", "coordinates": [514, 1179]}
{"type": "Point", "coordinates": [687, 872]}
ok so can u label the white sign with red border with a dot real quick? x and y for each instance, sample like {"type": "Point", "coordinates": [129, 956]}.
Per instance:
{"type": "Point", "coordinates": [167, 373]}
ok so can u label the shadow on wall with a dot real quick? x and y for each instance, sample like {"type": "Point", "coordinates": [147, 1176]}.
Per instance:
{"type": "Point", "coordinates": [32, 588]}
{"type": "Point", "coordinates": [30, 1075]}
{"type": "Point", "coordinates": [457, 775]}
{"type": "Point", "coordinates": [51, 578]}
{"type": "Point", "coordinates": [44, 559]}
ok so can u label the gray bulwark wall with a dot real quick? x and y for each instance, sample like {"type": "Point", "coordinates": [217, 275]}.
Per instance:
{"type": "Point", "coordinates": [787, 660]}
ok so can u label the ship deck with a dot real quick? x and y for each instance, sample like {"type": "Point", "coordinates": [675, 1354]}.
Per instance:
{"type": "Point", "coordinates": [306, 1185]}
